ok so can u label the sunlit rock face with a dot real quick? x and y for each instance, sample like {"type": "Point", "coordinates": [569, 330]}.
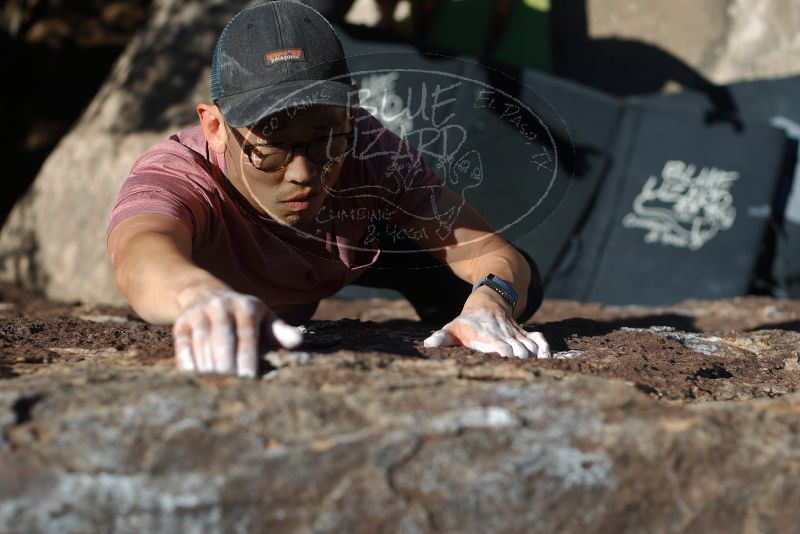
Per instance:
{"type": "Point", "coordinates": [647, 419]}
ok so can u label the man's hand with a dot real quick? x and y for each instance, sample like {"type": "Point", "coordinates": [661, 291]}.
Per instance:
{"type": "Point", "coordinates": [490, 331]}
{"type": "Point", "coordinates": [216, 329]}
{"type": "Point", "coordinates": [218, 332]}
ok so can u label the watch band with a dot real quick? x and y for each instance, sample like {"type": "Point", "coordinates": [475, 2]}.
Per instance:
{"type": "Point", "coordinates": [502, 287]}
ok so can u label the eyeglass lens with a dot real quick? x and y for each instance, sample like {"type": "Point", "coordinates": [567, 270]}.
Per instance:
{"type": "Point", "coordinates": [320, 151]}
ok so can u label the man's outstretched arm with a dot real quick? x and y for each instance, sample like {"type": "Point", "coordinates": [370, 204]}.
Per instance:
{"type": "Point", "coordinates": [216, 329]}
{"type": "Point", "coordinates": [473, 250]}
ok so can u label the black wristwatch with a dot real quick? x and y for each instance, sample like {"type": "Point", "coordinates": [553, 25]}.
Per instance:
{"type": "Point", "coordinates": [502, 287]}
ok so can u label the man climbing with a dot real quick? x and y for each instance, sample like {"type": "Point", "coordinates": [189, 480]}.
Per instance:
{"type": "Point", "coordinates": [287, 191]}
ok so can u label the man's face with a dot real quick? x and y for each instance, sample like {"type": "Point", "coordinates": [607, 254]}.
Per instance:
{"type": "Point", "coordinates": [293, 194]}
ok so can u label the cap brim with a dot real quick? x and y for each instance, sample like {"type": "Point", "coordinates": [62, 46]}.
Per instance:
{"type": "Point", "coordinates": [246, 109]}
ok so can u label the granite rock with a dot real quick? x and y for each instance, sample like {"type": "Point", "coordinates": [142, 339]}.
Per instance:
{"type": "Point", "coordinates": [663, 419]}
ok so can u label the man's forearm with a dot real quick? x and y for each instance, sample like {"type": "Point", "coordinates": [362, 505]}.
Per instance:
{"type": "Point", "coordinates": [158, 282]}
{"type": "Point", "coordinates": [475, 250]}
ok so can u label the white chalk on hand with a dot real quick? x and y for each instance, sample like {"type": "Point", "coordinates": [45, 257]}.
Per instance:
{"type": "Point", "coordinates": [440, 338]}
{"type": "Point", "coordinates": [288, 336]}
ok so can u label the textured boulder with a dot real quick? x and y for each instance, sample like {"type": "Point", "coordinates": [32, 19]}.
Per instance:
{"type": "Point", "coordinates": [54, 239]}
{"type": "Point", "coordinates": [364, 430]}
{"type": "Point", "coordinates": [763, 41]}
{"type": "Point", "coordinates": [721, 40]}
{"type": "Point", "coordinates": [690, 31]}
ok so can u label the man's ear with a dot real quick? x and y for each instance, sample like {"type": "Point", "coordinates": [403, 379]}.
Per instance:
{"type": "Point", "coordinates": [213, 127]}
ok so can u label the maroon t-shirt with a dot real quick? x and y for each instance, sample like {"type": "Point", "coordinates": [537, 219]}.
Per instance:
{"type": "Point", "coordinates": [289, 270]}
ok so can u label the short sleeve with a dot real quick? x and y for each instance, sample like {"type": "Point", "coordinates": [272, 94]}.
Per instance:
{"type": "Point", "coordinates": [166, 181]}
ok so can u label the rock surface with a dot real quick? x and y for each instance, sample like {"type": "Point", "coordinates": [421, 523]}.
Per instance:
{"type": "Point", "coordinates": [721, 40]}
{"type": "Point", "coordinates": [649, 419]}
{"type": "Point", "coordinates": [763, 41]}
{"type": "Point", "coordinates": [54, 239]}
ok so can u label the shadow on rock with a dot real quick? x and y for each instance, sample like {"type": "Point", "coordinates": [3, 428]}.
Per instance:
{"type": "Point", "coordinates": [558, 332]}
{"type": "Point", "coordinates": [789, 326]}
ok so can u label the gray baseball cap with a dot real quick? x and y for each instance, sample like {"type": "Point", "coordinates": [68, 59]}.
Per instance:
{"type": "Point", "coordinates": [277, 55]}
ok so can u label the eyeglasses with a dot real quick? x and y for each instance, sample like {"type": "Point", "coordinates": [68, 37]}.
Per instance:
{"type": "Point", "coordinates": [270, 157]}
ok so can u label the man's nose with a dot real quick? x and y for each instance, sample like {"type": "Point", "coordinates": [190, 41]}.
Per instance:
{"type": "Point", "coordinates": [301, 170]}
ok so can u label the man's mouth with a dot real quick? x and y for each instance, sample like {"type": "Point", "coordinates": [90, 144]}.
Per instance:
{"type": "Point", "coordinates": [300, 201]}
{"type": "Point", "coordinates": [301, 197]}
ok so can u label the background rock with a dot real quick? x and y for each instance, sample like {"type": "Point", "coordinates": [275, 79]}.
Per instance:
{"type": "Point", "coordinates": [54, 238]}
{"type": "Point", "coordinates": [763, 41]}
{"type": "Point", "coordinates": [630, 47]}
{"type": "Point", "coordinates": [75, 43]}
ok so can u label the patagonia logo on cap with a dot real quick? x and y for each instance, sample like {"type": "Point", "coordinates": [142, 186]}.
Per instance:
{"type": "Point", "coordinates": [278, 56]}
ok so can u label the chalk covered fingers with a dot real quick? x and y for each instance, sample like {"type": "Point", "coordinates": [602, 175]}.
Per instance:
{"type": "Point", "coordinates": [219, 333]}
{"type": "Point", "coordinates": [489, 331]}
